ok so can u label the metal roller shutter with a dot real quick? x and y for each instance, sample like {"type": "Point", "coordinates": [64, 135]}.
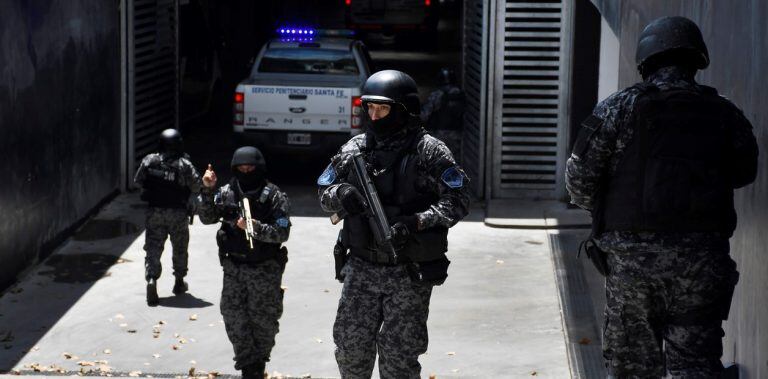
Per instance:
{"type": "Point", "coordinates": [152, 70]}
{"type": "Point", "coordinates": [475, 80]}
{"type": "Point", "coordinates": [531, 75]}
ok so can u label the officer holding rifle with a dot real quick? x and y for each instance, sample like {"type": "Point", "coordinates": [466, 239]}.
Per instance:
{"type": "Point", "coordinates": [254, 223]}
{"type": "Point", "coordinates": [398, 190]}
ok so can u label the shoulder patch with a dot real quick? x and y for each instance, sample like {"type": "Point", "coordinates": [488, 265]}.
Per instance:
{"type": "Point", "coordinates": [588, 129]}
{"type": "Point", "coordinates": [327, 177]}
{"type": "Point", "coordinates": [453, 177]}
{"type": "Point", "coordinates": [282, 222]}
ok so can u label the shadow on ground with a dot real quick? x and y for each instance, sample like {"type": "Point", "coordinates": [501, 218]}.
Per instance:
{"type": "Point", "coordinates": [71, 274]}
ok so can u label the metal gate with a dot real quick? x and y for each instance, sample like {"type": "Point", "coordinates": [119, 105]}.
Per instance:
{"type": "Point", "coordinates": [531, 81]}
{"type": "Point", "coordinates": [151, 53]}
{"type": "Point", "coordinates": [475, 81]}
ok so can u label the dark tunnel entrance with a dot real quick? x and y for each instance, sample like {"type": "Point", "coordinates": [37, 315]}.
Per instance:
{"type": "Point", "coordinates": [219, 40]}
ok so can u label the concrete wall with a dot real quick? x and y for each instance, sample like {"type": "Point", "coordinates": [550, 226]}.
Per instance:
{"type": "Point", "coordinates": [59, 121]}
{"type": "Point", "coordinates": [609, 62]}
{"type": "Point", "coordinates": [735, 33]}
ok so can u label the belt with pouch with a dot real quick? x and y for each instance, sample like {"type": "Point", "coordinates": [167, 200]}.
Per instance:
{"type": "Point", "coordinates": [376, 257]}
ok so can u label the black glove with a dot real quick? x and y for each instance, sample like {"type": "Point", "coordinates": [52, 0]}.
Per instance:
{"type": "Point", "coordinates": [351, 199]}
{"type": "Point", "coordinates": [402, 228]}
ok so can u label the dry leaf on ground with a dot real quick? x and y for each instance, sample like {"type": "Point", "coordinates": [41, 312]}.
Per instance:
{"type": "Point", "coordinates": [193, 317]}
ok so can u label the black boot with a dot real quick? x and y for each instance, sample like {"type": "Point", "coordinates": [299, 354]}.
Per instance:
{"type": "Point", "coordinates": [180, 286]}
{"type": "Point", "coordinates": [152, 298]}
{"type": "Point", "coordinates": [254, 371]}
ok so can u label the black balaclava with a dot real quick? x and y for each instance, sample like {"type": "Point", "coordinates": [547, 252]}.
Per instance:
{"type": "Point", "coordinates": [391, 124]}
{"type": "Point", "coordinates": [254, 180]}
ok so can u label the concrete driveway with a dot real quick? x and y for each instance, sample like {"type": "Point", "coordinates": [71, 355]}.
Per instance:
{"type": "Point", "coordinates": [83, 309]}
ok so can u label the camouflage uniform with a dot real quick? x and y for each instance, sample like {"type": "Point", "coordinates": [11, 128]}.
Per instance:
{"type": "Point", "coordinates": [251, 296]}
{"type": "Point", "coordinates": [164, 221]}
{"type": "Point", "coordinates": [381, 308]}
{"type": "Point", "coordinates": [445, 124]}
{"type": "Point", "coordinates": [658, 280]}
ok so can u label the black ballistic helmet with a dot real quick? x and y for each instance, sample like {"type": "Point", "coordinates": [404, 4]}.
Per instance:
{"type": "Point", "coordinates": [446, 76]}
{"type": "Point", "coordinates": [393, 87]}
{"type": "Point", "coordinates": [249, 155]}
{"type": "Point", "coordinates": [170, 141]}
{"type": "Point", "coordinates": [672, 33]}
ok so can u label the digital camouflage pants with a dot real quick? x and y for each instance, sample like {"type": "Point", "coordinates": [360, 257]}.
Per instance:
{"type": "Point", "coordinates": [251, 303]}
{"type": "Point", "coordinates": [664, 312]}
{"type": "Point", "coordinates": [380, 310]}
{"type": "Point", "coordinates": [161, 223]}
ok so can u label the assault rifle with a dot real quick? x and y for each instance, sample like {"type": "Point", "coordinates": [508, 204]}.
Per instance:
{"type": "Point", "coordinates": [374, 211]}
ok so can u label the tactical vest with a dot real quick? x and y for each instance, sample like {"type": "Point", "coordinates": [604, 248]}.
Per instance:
{"type": "Point", "coordinates": [673, 176]}
{"type": "Point", "coordinates": [231, 239]}
{"type": "Point", "coordinates": [163, 186]}
{"type": "Point", "coordinates": [403, 191]}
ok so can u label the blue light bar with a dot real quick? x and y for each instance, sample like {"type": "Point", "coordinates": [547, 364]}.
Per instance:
{"type": "Point", "coordinates": [293, 31]}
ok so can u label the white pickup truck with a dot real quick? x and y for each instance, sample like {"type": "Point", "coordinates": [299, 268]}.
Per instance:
{"type": "Point", "coordinates": [303, 94]}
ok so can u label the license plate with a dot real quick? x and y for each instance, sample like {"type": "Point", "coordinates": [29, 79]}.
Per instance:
{"type": "Point", "coordinates": [299, 138]}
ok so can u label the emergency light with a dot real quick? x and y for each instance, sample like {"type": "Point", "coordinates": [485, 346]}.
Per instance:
{"type": "Point", "coordinates": [292, 31]}
{"type": "Point", "coordinates": [306, 32]}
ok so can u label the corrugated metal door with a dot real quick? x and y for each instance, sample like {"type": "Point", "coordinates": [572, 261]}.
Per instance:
{"type": "Point", "coordinates": [531, 79]}
{"type": "Point", "coordinates": [475, 81]}
{"type": "Point", "coordinates": [152, 74]}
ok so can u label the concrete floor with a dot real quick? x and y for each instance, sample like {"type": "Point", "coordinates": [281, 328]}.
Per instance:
{"type": "Point", "coordinates": [497, 316]}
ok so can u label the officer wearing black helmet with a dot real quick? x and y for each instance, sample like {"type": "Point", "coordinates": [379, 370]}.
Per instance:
{"type": "Point", "coordinates": [385, 301]}
{"type": "Point", "coordinates": [443, 112]}
{"type": "Point", "coordinates": [657, 164]}
{"type": "Point", "coordinates": [251, 296]}
{"type": "Point", "coordinates": [169, 183]}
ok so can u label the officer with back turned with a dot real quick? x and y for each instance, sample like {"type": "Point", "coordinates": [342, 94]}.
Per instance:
{"type": "Point", "coordinates": [168, 180]}
{"type": "Point", "coordinates": [252, 257]}
{"type": "Point", "coordinates": [423, 192]}
{"type": "Point", "coordinates": [443, 112]}
{"type": "Point", "coordinates": [657, 164]}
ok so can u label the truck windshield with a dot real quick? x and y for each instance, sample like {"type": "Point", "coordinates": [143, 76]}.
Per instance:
{"type": "Point", "coordinates": [308, 61]}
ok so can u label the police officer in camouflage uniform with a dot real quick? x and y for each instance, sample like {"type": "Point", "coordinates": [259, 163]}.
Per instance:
{"type": "Point", "coordinates": [169, 181]}
{"type": "Point", "coordinates": [657, 164]}
{"type": "Point", "coordinates": [443, 112]}
{"type": "Point", "coordinates": [385, 302]}
{"type": "Point", "coordinates": [251, 296]}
